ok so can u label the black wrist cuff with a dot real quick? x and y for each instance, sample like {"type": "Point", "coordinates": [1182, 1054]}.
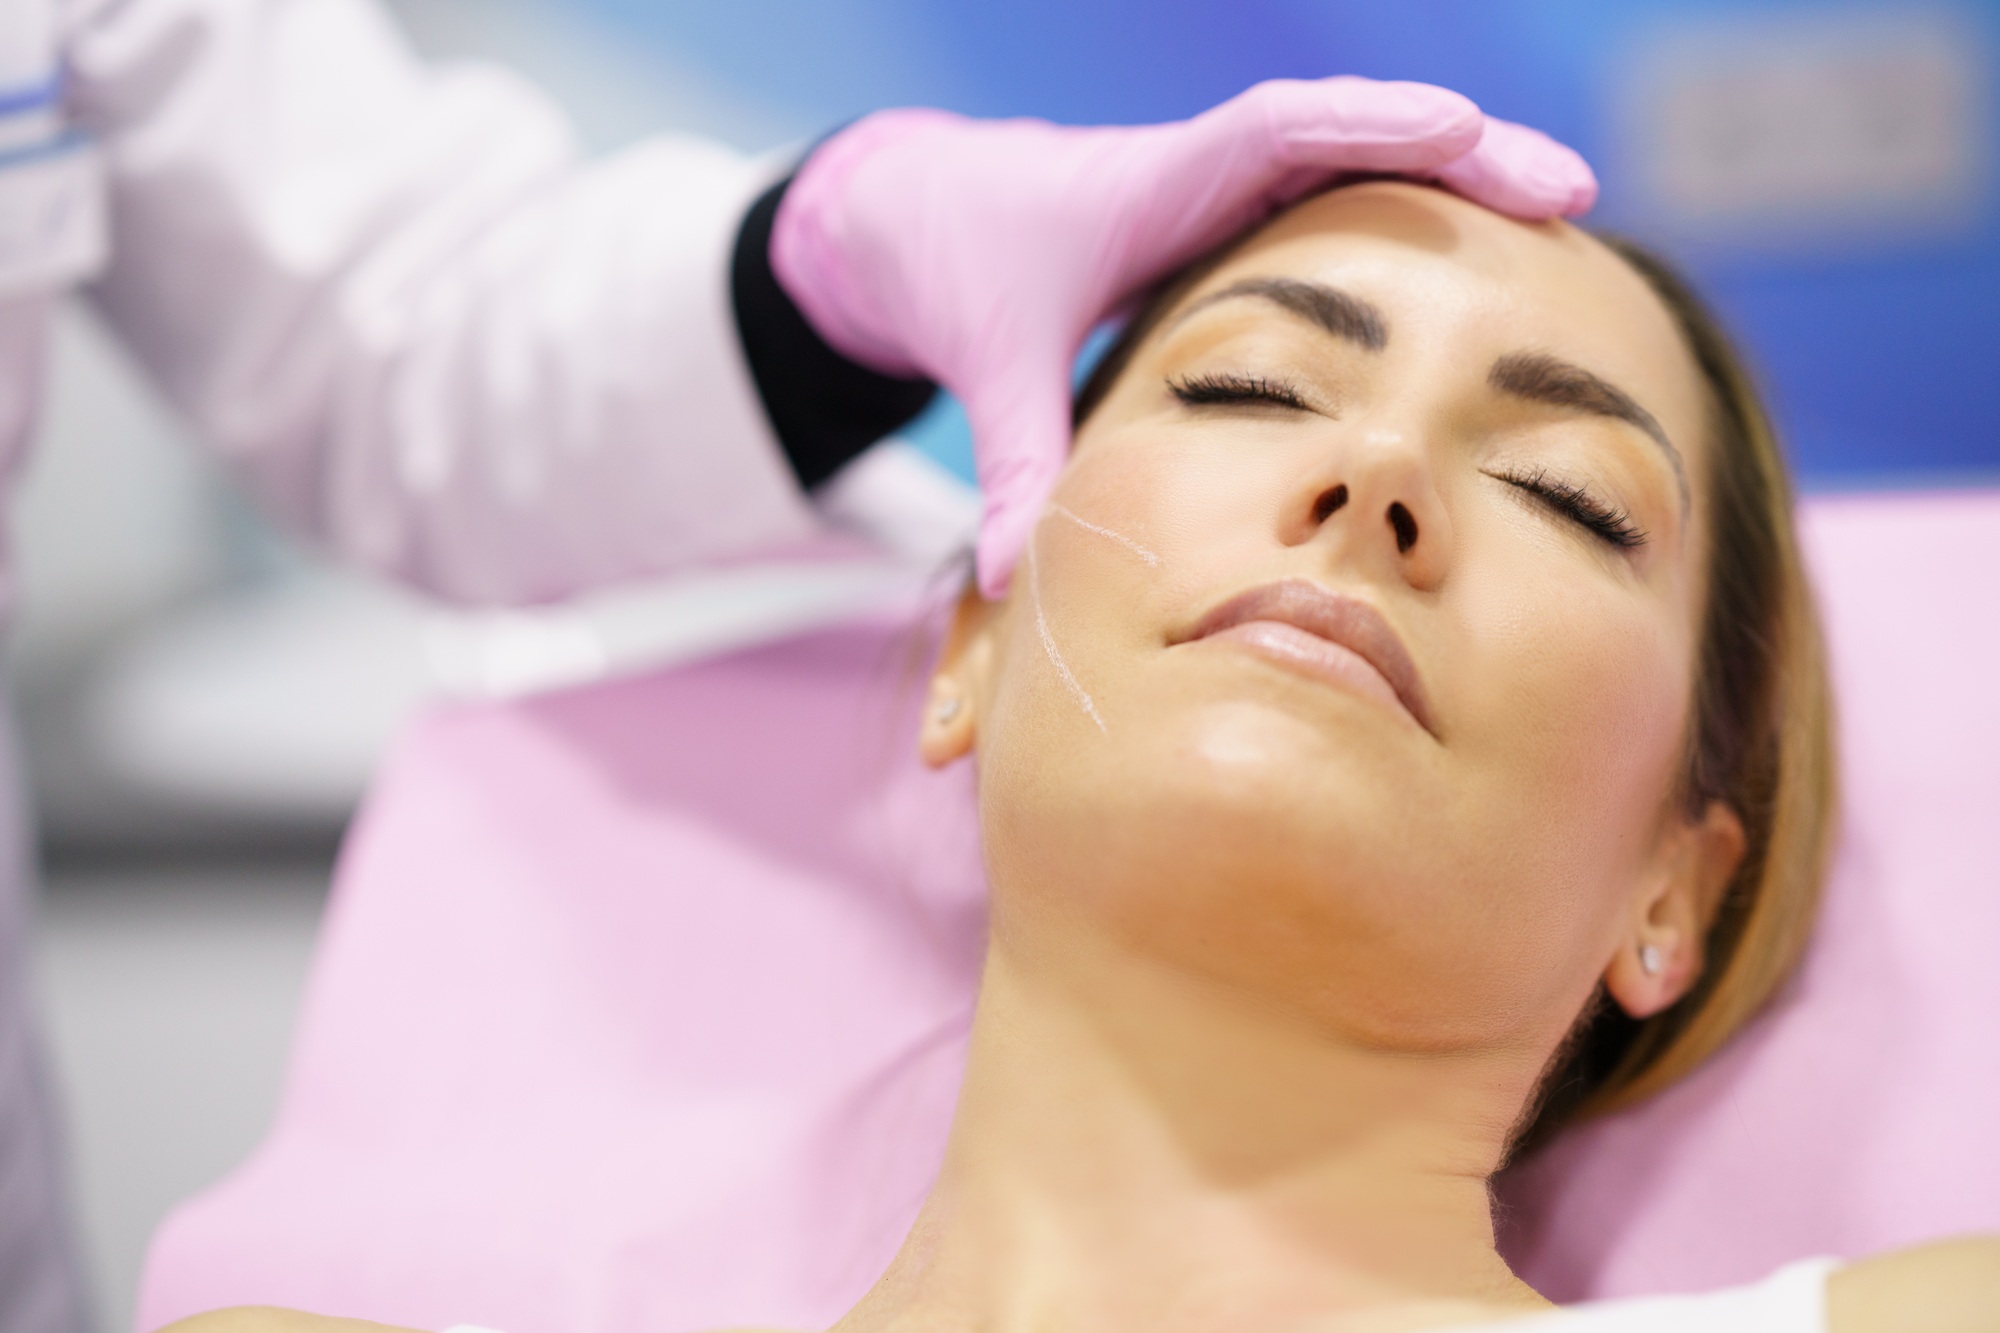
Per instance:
{"type": "Point", "coordinates": [825, 408]}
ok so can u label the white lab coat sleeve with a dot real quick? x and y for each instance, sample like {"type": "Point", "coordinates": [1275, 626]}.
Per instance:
{"type": "Point", "coordinates": [423, 332]}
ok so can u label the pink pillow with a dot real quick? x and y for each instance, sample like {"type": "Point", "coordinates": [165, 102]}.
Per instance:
{"type": "Point", "coordinates": [637, 1007]}
{"type": "Point", "coordinates": [643, 1006]}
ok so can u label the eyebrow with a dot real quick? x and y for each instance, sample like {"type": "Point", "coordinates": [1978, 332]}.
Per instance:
{"type": "Point", "coordinates": [1542, 378]}
{"type": "Point", "coordinates": [1343, 314]}
{"type": "Point", "coordinates": [1536, 376]}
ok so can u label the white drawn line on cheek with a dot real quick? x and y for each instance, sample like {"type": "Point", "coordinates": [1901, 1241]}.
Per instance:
{"type": "Point", "coordinates": [1101, 531]}
{"type": "Point", "coordinates": [1076, 690]}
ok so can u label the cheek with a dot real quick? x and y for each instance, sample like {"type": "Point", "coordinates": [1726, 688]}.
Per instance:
{"type": "Point", "coordinates": [1199, 505]}
{"type": "Point", "coordinates": [1140, 528]}
{"type": "Point", "coordinates": [1084, 745]}
{"type": "Point", "coordinates": [1574, 699]}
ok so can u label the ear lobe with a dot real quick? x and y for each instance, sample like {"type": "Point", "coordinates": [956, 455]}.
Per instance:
{"type": "Point", "coordinates": [1662, 956]}
{"type": "Point", "coordinates": [947, 732]}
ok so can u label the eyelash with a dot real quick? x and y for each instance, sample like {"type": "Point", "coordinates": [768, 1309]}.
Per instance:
{"type": "Point", "coordinates": [1576, 503]}
{"type": "Point", "coordinates": [1225, 389]}
{"type": "Point", "coordinates": [1573, 501]}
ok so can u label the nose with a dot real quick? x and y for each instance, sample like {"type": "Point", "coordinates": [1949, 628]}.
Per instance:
{"type": "Point", "coordinates": [1374, 501]}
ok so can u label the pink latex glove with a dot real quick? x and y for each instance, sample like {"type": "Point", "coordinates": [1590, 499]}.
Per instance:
{"type": "Point", "coordinates": [981, 253]}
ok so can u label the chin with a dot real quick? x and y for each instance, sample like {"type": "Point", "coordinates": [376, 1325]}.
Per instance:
{"type": "Point", "coordinates": [1286, 838]}
{"type": "Point", "coordinates": [1234, 843]}
{"type": "Point", "coordinates": [1343, 775]}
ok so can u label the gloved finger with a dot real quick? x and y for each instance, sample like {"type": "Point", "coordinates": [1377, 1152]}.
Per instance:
{"type": "Point", "coordinates": [1350, 124]}
{"type": "Point", "coordinates": [1021, 437]}
{"type": "Point", "coordinates": [1238, 162]}
{"type": "Point", "coordinates": [1523, 173]}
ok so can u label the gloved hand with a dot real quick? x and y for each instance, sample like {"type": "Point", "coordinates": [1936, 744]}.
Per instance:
{"type": "Point", "coordinates": [981, 253]}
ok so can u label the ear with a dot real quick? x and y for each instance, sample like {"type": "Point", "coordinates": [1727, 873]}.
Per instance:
{"type": "Point", "coordinates": [1664, 948]}
{"type": "Point", "coordinates": [947, 731]}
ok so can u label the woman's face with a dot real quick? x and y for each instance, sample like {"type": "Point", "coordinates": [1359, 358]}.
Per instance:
{"type": "Point", "coordinates": [1352, 662]}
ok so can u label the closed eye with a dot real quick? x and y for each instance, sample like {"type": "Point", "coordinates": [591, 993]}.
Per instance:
{"type": "Point", "coordinates": [1576, 503]}
{"type": "Point", "coordinates": [1230, 389]}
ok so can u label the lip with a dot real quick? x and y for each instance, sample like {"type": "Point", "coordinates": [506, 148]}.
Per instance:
{"type": "Point", "coordinates": [1322, 633]}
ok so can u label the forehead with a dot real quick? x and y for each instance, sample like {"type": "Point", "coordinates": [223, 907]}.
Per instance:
{"type": "Point", "coordinates": [1462, 285]}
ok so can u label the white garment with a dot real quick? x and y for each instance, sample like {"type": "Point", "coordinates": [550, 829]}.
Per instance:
{"type": "Point", "coordinates": [1791, 1300]}
{"type": "Point", "coordinates": [423, 333]}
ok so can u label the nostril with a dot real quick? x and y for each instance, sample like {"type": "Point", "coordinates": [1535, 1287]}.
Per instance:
{"type": "Point", "coordinates": [1405, 525]}
{"type": "Point", "coordinates": [1329, 503]}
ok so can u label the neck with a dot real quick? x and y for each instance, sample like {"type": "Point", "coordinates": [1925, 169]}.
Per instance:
{"type": "Point", "coordinates": [1137, 1149]}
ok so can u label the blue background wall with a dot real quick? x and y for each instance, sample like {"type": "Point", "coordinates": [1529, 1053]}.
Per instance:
{"type": "Point", "coordinates": [1876, 328]}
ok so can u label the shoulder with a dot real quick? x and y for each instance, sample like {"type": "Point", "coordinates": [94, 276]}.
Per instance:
{"type": "Point", "coordinates": [1949, 1287]}
{"type": "Point", "coordinates": [269, 1319]}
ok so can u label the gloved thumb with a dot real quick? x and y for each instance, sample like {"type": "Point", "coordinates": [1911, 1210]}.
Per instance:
{"type": "Point", "coordinates": [1021, 436]}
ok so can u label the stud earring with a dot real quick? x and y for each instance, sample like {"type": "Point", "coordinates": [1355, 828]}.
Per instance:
{"type": "Point", "coordinates": [946, 711]}
{"type": "Point", "coordinates": [1649, 959]}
